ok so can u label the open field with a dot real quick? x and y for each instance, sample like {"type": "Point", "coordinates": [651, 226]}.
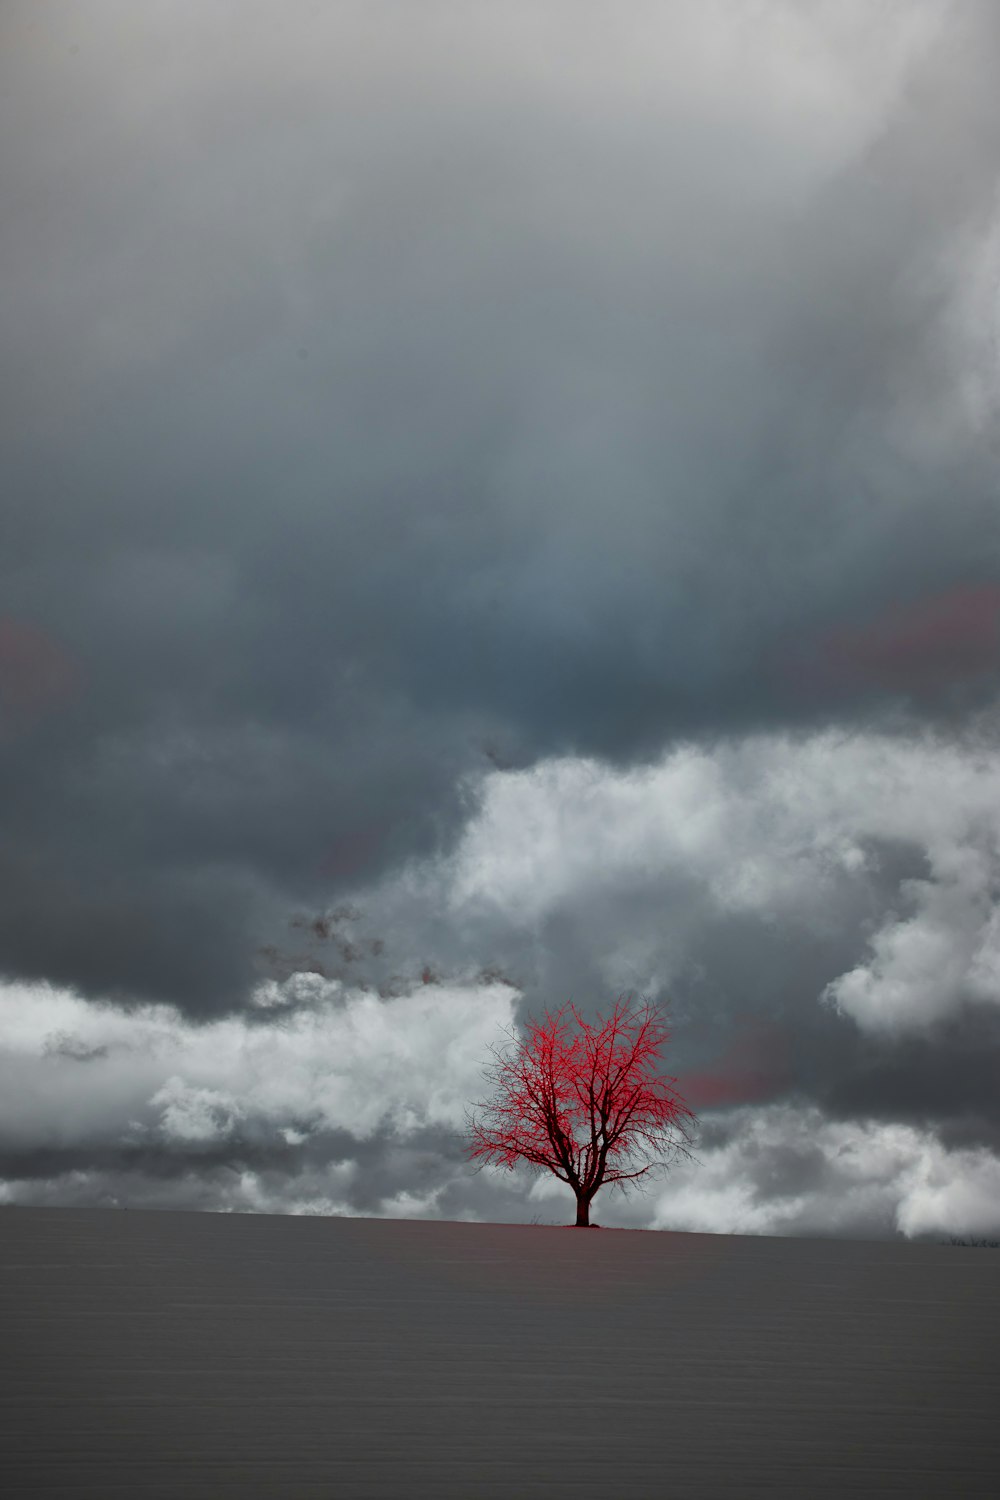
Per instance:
{"type": "Point", "coordinates": [233, 1357]}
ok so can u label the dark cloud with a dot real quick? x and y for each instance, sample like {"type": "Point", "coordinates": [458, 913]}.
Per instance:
{"type": "Point", "coordinates": [392, 404]}
{"type": "Point", "coordinates": [949, 1078]}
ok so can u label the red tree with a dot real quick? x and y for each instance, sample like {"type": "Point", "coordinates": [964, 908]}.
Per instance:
{"type": "Point", "coordinates": [587, 1105]}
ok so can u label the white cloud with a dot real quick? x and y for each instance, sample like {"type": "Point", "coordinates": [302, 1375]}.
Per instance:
{"type": "Point", "coordinates": [858, 1178]}
{"type": "Point", "coordinates": [773, 827]}
{"type": "Point", "coordinates": [352, 1062]}
{"type": "Point", "coordinates": [958, 1191]}
{"type": "Point", "coordinates": [191, 1114]}
{"type": "Point", "coordinates": [918, 967]}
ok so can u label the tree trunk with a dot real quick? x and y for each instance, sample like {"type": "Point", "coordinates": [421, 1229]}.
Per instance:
{"type": "Point", "coordinates": [583, 1213]}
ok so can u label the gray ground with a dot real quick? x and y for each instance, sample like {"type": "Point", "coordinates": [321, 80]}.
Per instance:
{"type": "Point", "coordinates": [172, 1354]}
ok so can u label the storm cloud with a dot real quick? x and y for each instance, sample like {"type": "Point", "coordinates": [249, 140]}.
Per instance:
{"type": "Point", "coordinates": [499, 505]}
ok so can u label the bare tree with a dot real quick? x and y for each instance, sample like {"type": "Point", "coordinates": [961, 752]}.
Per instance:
{"type": "Point", "coordinates": [585, 1103]}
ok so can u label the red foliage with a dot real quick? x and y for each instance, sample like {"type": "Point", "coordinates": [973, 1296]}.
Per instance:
{"type": "Point", "coordinates": [584, 1104]}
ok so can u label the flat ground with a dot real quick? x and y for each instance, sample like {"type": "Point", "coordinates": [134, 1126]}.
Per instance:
{"type": "Point", "coordinates": [237, 1357]}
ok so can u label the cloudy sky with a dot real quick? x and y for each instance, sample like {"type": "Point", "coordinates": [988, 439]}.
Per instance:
{"type": "Point", "coordinates": [500, 506]}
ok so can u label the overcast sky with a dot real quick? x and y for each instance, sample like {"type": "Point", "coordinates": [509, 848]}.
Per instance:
{"type": "Point", "coordinates": [500, 506]}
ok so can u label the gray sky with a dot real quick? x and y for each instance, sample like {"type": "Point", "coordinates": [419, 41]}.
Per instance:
{"type": "Point", "coordinates": [515, 485]}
